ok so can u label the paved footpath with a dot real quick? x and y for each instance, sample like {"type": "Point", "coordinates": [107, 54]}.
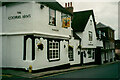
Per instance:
{"type": "Point", "coordinates": [9, 73]}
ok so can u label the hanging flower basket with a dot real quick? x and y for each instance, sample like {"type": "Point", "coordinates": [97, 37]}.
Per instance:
{"type": "Point", "coordinates": [40, 46]}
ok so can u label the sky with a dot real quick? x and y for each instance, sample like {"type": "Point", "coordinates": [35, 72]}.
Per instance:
{"type": "Point", "coordinates": [104, 11]}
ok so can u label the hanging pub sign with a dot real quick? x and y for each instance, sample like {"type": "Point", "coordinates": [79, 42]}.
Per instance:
{"type": "Point", "coordinates": [66, 22]}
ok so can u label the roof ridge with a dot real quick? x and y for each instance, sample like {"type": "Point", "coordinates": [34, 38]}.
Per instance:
{"type": "Point", "coordinates": [83, 11]}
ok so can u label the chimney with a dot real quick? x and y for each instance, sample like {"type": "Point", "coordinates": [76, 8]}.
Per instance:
{"type": "Point", "coordinates": [65, 5]}
{"type": "Point", "coordinates": [70, 7]}
{"type": "Point", "coordinates": [68, 4]}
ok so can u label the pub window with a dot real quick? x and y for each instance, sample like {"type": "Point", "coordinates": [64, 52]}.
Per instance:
{"type": "Point", "coordinates": [52, 17]}
{"type": "Point", "coordinates": [53, 48]}
{"type": "Point", "coordinates": [100, 34]}
{"type": "Point", "coordinates": [70, 53]}
{"type": "Point", "coordinates": [89, 53]}
{"type": "Point", "coordinates": [90, 36]}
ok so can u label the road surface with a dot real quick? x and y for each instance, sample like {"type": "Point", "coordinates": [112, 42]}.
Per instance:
{"type": "Point", "coordinates": [103, 71]}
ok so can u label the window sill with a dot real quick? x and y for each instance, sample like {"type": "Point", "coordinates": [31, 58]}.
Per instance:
{"type": "Point", "coordinates": [55, 29]}
{"type": "Point", "coordinates": [71, 60]}
{"type": "Point", "coordinates": [51, 24]}
{"type": "Point", "coordinates": [53, 60]}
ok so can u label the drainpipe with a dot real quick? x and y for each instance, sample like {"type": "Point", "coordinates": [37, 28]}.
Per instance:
{"type": "Point", "coordinates": [80, 50]}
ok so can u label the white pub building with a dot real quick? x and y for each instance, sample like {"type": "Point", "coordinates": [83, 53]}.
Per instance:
{"type": "Point", "coordinates": [35, 34]}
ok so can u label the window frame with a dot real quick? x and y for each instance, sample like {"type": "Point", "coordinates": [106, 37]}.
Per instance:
{"type": "Point", "coordinates": [69, 55]}
{"type": "Point", "coordinates": [100, 34]}
{"type": "Point", "coordinates": [90, 35]}
{"type": "Point", "coordinates": [89, 53]}
{"type": "Point", "coordinates": [48, 50]}
{"type": "Point", "coordinates": [50, 16]}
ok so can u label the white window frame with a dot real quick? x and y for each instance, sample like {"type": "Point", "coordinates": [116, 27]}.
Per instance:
{"type": "Point", "coordinates": [71, 54]}
{"type": "Point", "coordinates": [90, 35]}
{"type": "Point", "coordinates": [54, 53]}
{"type": "Point", "coordinates": [52, 17]}
{"type": "Point", "coordinates": [100, 34]}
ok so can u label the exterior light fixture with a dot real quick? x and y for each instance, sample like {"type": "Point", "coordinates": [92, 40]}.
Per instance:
{"type": "Point", "coordinates": [41, 6]}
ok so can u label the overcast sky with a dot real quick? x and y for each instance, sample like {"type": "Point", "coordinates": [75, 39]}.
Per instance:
{"type": "Point", "coordinates": [104, 11]}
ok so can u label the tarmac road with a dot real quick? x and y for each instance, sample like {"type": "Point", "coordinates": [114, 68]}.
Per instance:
{"type": "Point", "coordinates": [103, 71]}
{"type": "Point", "coordinates": [109, 71]}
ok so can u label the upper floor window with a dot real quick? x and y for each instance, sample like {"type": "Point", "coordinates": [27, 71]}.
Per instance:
{"type": "Point", "coordinates": [65, 20]}
{"type": "Point", "coordinates": [90, 22]}
{"type": "Point", "coordinates": [52, 17]}
{"type": "Point", "coordinates": [99, 34]}
{"type": "Point", "coordinates": [90, 35]}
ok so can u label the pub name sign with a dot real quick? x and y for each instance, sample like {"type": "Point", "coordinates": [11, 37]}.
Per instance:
{"type": "Point", "coordinates": [19, 16]}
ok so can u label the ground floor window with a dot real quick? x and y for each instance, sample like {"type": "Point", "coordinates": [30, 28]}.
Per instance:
{"type": "Point", "coordinates": [70, 53]}
{"type": "Point", "coordinates": [91, 53]}
{"type": "Point", "coordinates": [53, 50]}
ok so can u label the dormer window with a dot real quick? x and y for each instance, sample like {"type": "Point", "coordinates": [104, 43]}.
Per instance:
{"type": "Point", "coordinates": [52, 17]}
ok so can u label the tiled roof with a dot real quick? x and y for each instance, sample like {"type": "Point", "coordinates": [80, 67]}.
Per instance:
{"type": "Point", "coordinates": [80, 20]}
{"type": "Point", "coordinates": [101, 25]}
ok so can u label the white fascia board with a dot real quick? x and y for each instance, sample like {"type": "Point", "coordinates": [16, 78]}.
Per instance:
{"type": "Point", "coordinates": [36, 33]}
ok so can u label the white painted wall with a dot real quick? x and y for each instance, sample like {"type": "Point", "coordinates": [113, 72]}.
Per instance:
{"type": "Point", "coordinates": [38, 22]}
{"type": "Point", "coordinates": [85, 37]}
{"type": "Point", "coordinates": [18, 25]}
{"type": "Point", "coordinates": [13, 45]}
{"type": "Point", "coordinates": [41, 60]}
{"type": "Point", "coordinates": [12, 51]}
{"type": "Point", "coordinates": [41, 22]}
{"type": "Point", "coordinates": [13, 54]}
{"type": "Point", "coordinates": [75, 44]}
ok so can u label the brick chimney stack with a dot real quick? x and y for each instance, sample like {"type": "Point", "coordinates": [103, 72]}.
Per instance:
{"type": "Point", "coordinates": [68, 4]}
{"type": "Point", "coordinates": [65, 5]}
{"type": "Point", "coordinates": [71, 4]}
{"type": "Point", "coordinates": [69, 7]}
